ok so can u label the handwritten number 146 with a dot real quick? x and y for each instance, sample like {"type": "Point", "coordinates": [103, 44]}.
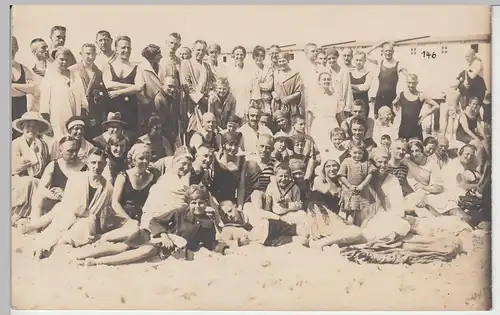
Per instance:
{"type": "Point", "coordinates": [428, 55]}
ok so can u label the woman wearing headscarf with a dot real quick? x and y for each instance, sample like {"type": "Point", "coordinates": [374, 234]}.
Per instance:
{"type": "Point", "coordinates": [22, 85]}
{"type": "Point", "coordinates": [30, 156]}
{"type": "Point", "coordinates": [57, 100]}
{"type": "Point", "coordinates": [150, 66]}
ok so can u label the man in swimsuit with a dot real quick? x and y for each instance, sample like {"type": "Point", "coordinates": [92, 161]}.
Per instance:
{"type": "Point", "coordinates": [388, 76]}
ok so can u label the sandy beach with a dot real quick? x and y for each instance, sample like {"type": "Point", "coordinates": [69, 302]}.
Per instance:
{"type": "Point", "coordinates": [289, 277]}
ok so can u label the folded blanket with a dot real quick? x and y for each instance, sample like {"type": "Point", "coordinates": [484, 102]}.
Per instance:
{"type": "Point", "coordinates": [409, 250]}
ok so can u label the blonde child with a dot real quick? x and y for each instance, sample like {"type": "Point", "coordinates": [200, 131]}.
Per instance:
{"type": "Point", "coordinates": [283, 198]}
{"type": "Point", "coordinates": [355, 174]}
{"type": "Point", "coordinates": [222, 103]}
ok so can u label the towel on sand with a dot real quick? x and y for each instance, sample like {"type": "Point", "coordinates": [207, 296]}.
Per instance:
{"type": "Point", "coordinates": [408, 250]}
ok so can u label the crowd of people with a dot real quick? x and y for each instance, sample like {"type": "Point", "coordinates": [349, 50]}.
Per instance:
{"type": "Point", "coordinates": [128, 161]}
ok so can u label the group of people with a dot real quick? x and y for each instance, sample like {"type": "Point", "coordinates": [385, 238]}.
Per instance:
{"type": "Point", "coordinates": [128, 161]}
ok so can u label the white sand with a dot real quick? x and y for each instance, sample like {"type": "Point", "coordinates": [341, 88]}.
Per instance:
{"type": "Point", "coordinates": [284, 278]}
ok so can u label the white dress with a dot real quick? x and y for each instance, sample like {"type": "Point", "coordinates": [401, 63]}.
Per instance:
{"type": "Point", "coordinates": [323, 107]}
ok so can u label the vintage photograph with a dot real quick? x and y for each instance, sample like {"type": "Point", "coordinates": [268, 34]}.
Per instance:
{"type": "Point", "coordinates": [251, 157]}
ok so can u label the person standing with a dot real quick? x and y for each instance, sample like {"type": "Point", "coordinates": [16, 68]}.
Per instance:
{"type": "Point", "coordinates": [196, 80]}
{"type": "Point", "coordinates": [240, 78]}
{"type": "Point", "coordinates": [170, 64]}
{"type": "Point", "coordinates": [388, 75]}
{"type": "Point", "coordinates": [410, 103]}
{"type": "Point", "coordinates": [89, 89]}
{"type": "Point", "coordinates": [219, 69]}
{"type": "Point", "coordinates": [361, 79]}
{"type": "Point", "coordinates": [123, 82]}
{"type": "Point", "coordinates": [106, 53]}
{"type": "Point", "coordinates": [22, 85]}
{"type": "Point", "coordinates": [58, 39]}
{"type": "Point", "coordinates": [57, 100]}
{"type": "Point", "coordinates": [471, 81]}
{"type": "Point", "coordinates": [150, 66]}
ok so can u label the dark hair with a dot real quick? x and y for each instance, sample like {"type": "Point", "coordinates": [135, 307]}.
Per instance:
{"type": "Point", "coordinates": [57, 28]}
{"type": "Point", "coordinates": [97, 151]}
{"type": "Point", "coordinates": [175, 35]}
{"type": "Point", "coordinates": [104, 32]}
{"type": "Point", "coordinates": [298, 138]}
{"type": "Point", "coordinates": [258, 49]}
{"type": "Point", "coordinates": [122, 37]}
{"type": "Point", "coordinates": [358, 121]}
{"type": "Point", "coordinates": [89, 45]}
{"type": "Point", "coordinates": [385, 137]}
{"type": "Point", "coordinates": [239, 47]}
{"type": "Point", "coordinates": [359, 102]}
{"type": "Point", "coordinates": [150, 52]}
{"type": "Point", "coordinates": [275, 46]}
{"type": "Point", "coordinates": [152, 121]}
{"type": "Point", "coordinates": [115, 139]}
{"type": "Point", "coordinates": [195, 192]}
{"type": "Point", "coordinates": [430, 140]}
{"type": "Point", "coordinates": [234, 119]}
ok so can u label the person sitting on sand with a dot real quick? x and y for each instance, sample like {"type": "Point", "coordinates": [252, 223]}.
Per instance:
{"type": "Point", "coordinates": [168, 194]}
{"type": "Point", "coordinates": [55, 176]}
{"type": "Point", "coordinates": [160, 146]}
{"type": "Point", "coordinates": [283, 198]}
{"type": "Point", "coordinates": [76, 129]}
{"type": "Point", "coordinates": [190, 227]}
{"type": "Point", "coordinates": [256, 174]}
{"type": "Point", "coordinates": [116, 153]}
{"type": "Point", "coordinates": [113, 125]}
{"type": "Point", "coordinates": [30, 155]}
{"type": "Point", "coordinates": [130, 192]}
{"type": "Point", "coordinates": [74, 220]}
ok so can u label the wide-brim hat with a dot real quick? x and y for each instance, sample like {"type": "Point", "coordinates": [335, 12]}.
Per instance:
{"type": "Point", "coordinates": [32, 116]}
{"type": "Point", "coordinates": [114, 118]}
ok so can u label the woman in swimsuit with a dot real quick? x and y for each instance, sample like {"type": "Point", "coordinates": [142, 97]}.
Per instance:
{"type": "Point", "coordinates": [51, 185]}
{"type": "Point", "coordinates": [22, 84]}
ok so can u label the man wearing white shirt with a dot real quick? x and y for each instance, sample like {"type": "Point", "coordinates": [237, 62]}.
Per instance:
{"type": "Point", "coordinates": [251, 131]}
{"type": "Point", "coordinates": [106, 54]}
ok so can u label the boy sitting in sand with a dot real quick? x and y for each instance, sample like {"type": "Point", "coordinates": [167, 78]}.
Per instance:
{"type": "Point", "coordinates": [188, 228]}
{"type": "Point", "coordinates": [283, 198]}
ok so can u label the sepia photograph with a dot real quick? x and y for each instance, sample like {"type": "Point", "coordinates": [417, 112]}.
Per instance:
{"type": "Point", "coordinates": [251, 157]}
